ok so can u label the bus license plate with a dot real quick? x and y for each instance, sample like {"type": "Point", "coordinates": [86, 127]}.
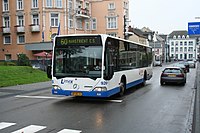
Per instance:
{"type": "Point", "coordinates": [76, 94]}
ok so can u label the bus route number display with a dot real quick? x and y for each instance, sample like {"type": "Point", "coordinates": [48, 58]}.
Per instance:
{"type": "Point", "coordinates": [62, 41]}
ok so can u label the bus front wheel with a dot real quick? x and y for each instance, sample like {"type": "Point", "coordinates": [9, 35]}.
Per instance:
{"type": "Point", "coordinates": [122, 89]}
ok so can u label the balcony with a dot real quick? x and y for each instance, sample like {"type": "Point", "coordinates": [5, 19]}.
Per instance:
{"type": "Point", "coordinates": [20, 29]}
{"type": "Point", "coordinates": [35, 28]}
{"type": "Point", "coordinates": [6, 30]}
{"type": "Point", "coordinates": [82, 13]}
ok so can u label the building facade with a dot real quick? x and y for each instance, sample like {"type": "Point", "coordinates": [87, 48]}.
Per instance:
{"type": "Point", "coordinates": [182, 46]}
{"type": "Point", "coordinates": [28, 26]}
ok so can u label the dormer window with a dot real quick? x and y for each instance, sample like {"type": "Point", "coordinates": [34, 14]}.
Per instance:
{"type": "Point", "coordinates": [174, 37]}
{"type": "Point", "coordinates": [179, 36]}
{"type": "Point", "coordinates": [183, 36]}
{"type": "Point", "coordinates": [187, 36]}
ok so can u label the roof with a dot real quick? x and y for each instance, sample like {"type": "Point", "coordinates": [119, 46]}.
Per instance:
{"type": "Point", "coordinates": [177, 33]}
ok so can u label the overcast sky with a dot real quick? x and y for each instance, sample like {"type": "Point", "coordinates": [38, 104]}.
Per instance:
{"type": "Point", "coordinates": [163, 16]}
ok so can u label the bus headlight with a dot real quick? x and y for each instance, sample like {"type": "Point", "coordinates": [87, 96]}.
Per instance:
{"type": "Point", "coordinates": [56, 87]}
{"type": "Point", "coordinates": [100, 89]}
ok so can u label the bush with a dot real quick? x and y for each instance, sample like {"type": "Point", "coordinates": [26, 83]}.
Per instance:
{"type": "Point", "coordinates": [23, 60]}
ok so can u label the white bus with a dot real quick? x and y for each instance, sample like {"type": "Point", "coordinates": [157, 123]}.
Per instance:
{"type": "Point", "coordinates": [97, 65]}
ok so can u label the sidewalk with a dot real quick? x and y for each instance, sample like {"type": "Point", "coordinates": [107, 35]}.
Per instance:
{"type": "Point", "coordinates": [196, 117]}
{"type": "Point", "coordinates": [29, 86]}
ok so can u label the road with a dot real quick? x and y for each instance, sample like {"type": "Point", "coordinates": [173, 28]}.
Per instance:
{"type": "Point", "coordinates": [149, 109]}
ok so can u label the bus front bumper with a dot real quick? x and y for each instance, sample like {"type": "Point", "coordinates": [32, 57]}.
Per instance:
{"type": "Point", "coordinates": [85, 93]}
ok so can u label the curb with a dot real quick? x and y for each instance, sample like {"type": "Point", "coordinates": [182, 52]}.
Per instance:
{"type": "Point", "coordinates": [196, 116]}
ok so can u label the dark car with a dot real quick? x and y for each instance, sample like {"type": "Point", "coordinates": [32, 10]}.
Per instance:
{"type": "Point", "coordinates": [186, 65]}
{"type": "Point", "coordinates": [181, 66]}
{"type": "Point", "coordinates": [173, 75]}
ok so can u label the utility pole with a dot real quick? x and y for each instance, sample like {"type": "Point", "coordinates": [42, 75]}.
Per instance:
{"type": "Point", "coordinates": [124, 26]}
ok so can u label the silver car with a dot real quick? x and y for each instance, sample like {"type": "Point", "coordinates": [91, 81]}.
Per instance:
{"type": "Point", "coordinates": [173, 75]}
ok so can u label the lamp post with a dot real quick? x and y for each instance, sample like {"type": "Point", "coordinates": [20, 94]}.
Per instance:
{"type": "Point", "coordinates": [154, 43]}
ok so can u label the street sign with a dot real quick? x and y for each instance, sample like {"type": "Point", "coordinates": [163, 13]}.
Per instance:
{"type": "Point", "coordinates": [194, 28]}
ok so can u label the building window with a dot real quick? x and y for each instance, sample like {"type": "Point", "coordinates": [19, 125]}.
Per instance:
{"type": "Point", "coordinates": [181, 43]}
{"type": "Point", "coordinates": [172, 49]}
{"type": "Point", "coordinates": [8, 57]}
{"type": "Point", "coordinates": [176, 43]}
{"type": "Point", "coordinates": [58, 3]}
{"type": "Point", "coordinates": [70, 21]}
{"type": "Point", "coordinates": [111, 6]}
{"type": "Point", "coordinates": [49, 3]}
{"type": "Point", "coordinates": [79, 24]}
{"type": "Point", "coordinates": [176, 49]}
{"type": "Point", "coordinates": [35, 19]}
{"type": "Point", "coordinates": [172, 43]}
{"type": "Point", "coordinates": [20, 39]}
{"type": "Point", "coordinates": [111, 23]}
{"type": "Point", "coordinates": [191, 43]}
{"type": "Point", "coordinates": [125, 5]}
{"type": "Point", "coordinates": [20, 5]}
{"type": "Point", "coordinates": [34, 3]}
{"type": "Point", "coordinates": [181, 56]}
{"type": "Point", "coordinates": [190, 56]}
{"type": "Point", "coordinates": [5, 5]}
{"type": "Point", "coordinates": [6, 21]}
{"type": "Point", "coordinates": [7, 40]}
{"type": "Point", "coordinates": [20, 20]}
{"type": "Point", "coordinates": [94, 24]}
{"type": "Point", "coordinates": [54, 19]}
{"type": "Point", "coordinates": [185, 49]}
{"type": "Point", "coordinates": [190, 49]}
{"type": "Point", "coordinates": [87, 25]}
{"type": "Point", "coordinates": [185, 43]}
{"type": "Point", "coordinates": [181, 49]}
{"type": "Point", "coordinates": [112, 34]}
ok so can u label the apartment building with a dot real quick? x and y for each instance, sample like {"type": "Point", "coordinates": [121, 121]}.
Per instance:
{"type": "Point", "coordinates": [28, 26]}
{"type": "Point", "coordinates": [182, 46]}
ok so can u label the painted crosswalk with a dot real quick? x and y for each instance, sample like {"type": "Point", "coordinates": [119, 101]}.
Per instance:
{"type": "Point", "coordinates": [32, 128]}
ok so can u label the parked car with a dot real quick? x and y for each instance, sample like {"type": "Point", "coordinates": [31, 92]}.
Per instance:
{"type": "Point", "coordinates": [182, 66]}
{"type": "Point", "coordinates": [157, 63]}
{"type": "Point", "coordinates": [192, 64]}
{"type": "Point", "coordinates": [173, 75]}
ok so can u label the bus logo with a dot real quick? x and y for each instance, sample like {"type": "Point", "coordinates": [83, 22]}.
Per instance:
{"type": "Point", "coordinates": [75, 86]}
{"type": "Point", "coordinates": [63, 81]}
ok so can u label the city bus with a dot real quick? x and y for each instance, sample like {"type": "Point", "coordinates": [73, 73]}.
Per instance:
{"type": "Point", "coordinates": [97, 65]}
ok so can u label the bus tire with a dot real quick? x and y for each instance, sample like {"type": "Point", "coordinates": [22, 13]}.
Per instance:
{"type": "Point", "coordinates": [144, 79]}
{"type": "Point", "coordinates": [122, 89]}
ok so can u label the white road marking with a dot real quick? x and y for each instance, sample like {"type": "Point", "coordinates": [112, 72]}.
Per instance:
{"type": "Point", "coordinates": [6, 124]}
{"type": "Point", "coordinates": [39, 97]}
{"type": "Point", "coordinates": [115, 101]}
{"type": "Point", "coordinates": [59, 98]}
{"type": "Point", "coordinates": [69, 131]}
{"type": "Point", "coordinates": [30, 129]}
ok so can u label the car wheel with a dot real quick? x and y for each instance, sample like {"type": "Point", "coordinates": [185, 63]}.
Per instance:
{"type": "Point", "coordinates": [161, 83]}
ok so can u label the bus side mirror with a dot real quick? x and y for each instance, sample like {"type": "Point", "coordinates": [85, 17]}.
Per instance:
{"type": "Point", "coordinates": [49, 75]}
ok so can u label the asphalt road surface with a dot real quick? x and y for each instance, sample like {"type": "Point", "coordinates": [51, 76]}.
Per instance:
{"type": "Point", "coordinates": [149, 109]}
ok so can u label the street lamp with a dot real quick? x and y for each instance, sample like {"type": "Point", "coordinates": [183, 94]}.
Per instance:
{"type": "Point", "coordinates": [154, 47]}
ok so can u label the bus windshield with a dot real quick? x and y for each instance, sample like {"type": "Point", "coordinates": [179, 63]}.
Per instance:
{"type": "Point", "coordinates": [78, 61]}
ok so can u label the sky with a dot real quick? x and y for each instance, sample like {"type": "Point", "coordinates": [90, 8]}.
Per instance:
{"type": "Point", "coordinates": [163, 16]}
